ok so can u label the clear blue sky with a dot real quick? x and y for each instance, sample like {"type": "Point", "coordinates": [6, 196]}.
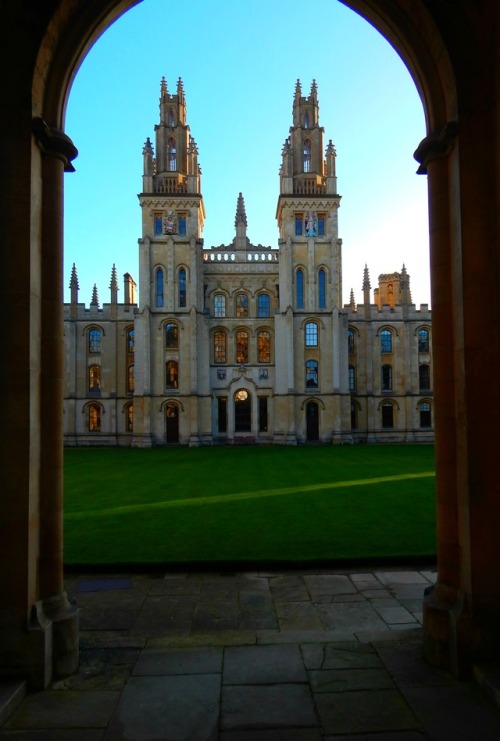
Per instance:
{"type": "Point", "coordinates": [239, 63]}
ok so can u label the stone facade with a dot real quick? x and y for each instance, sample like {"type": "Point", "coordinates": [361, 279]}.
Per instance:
{"type": "Point", "coordinates": [243, 342]}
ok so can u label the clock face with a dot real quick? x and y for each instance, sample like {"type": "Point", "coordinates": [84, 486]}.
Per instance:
{"type": "Point", "coordinates": [241, 395]}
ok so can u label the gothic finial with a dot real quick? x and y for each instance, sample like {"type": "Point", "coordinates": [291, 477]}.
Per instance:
{"type": "Point", "coordinates": [148, 147]}
{"type": "Point", "coordinates": [163, 89]}
{"type": "Point", "coordinates": [73, 283]}
{"type": "Point", "coordinates": [180, 87]}
{"type": "Point", "coordinates": [241, 216]}
{"type": "Point", "coordinates": [298, 89]}
{"type": "Point", "coordinates": [95, 298]}
{"type": "Point", "coordinates": [366, 279]}
{"type": "Point", "coordinates": [114, 281]}
{"type": "Point", "coordinates": [352, 302]}
{"type": "Point", "coordinates": [314, 89]}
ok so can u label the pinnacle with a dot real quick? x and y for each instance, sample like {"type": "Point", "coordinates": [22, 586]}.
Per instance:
{"type": "Point", "coordinates": [241, 216]}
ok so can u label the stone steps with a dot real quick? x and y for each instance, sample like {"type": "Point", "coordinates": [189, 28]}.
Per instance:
{"type": "Point", "coordinates": [12, 693]}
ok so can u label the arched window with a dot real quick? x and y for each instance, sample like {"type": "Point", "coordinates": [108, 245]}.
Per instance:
{"type": "Point", "coordinates": [171, 155]}
{"type": "Point", "coordinates": [307, 155]}
{"type": "Point", "coordinates": [423, 340]}
{"type": "Point", "coordinates": [387, 415]}
{"type": "Point", "coordinates": [171, 335]}
{"type": "Point", "coordinates": [424, 377]}
{"type": "Point", "coordinates": [130, 340]}
{"type": "Point", "coordinates": [322, 288]}
{"type": "Point", "coordinates": [311, 334]}
{"type": "Point", "coordinates": [264, 347]}
{"type": "Point", "coordinates": [172, 375]}
{"type": "Point", "coordinates": [220, 346]}
{"type": "Point", "coordinates": [306, 120]}
{"type": "Point", "coordinates": [299, 288]}
{"type": "Point", "coordinates": [385, 341]}
{"type": "Point", "coordinates": [182, 287]}
{"type": "Point", "coordinates": [130, 379]}
{"type": "Point", "coordinates": [387, 378]}
{"type": "Point", "coordinates": [95, 337]}
{"type": "Point", "coordinates": [352, 378]}
{"type": "Point", "coordinates": [425, 414]}
{"type": "Point", "coordinates": [350, 342]}
{"type": "Point", "coordinates": [129, 417]}
{"type": "Point", "coordinates": [171, 119]}
{"type": "Point", "coordinates": [94, 378]}
{"type": "Point", "coordinates": [159, 288]}
{"type": "Point", "coordinates": [263, 305]}
{"type": "Point", "coordinates": [242, 346]}
{"type": "Point", "coordinates": [94, 417]}
{"type": "Point", "coordinates": [241, 305]}
{"type": "Point", "coordinates": [219, 305]}
{"type": "Point", "coordinates": [312, 374]}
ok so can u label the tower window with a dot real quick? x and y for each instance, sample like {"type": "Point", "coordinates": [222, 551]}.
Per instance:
{"type": "Point", "coordinates": [424, 377]}
{"type": "Point", "coordinates": [386, 378]}
{"type": "Point", "coordinates": [172, 375]}
{"type": "Point", "coordinates": [312, 374]}
{"type": "Point", "coordinates": [94, 417]}
{"type": "Point", "coordinates": [425, 414]}
{"type": "Point", "coordinates": [385, 341]}
{"type": "Point", "coordinates": [159, 288]}
{"type": "Point", "coordinates": [307, 156]}
{"type": "Point", "coordinates": [299, 288]}
{"type": "Point", "coordinates": [219, 305]}
{"type": "Point", "coordinates": [182, 288]}
{"type": "Point", "coordinates": [263, 305]}
{"type": "Point", "coordinates": [352, 378]}
{"type": "Point", "coordinates": [130, 379]}
{"type": "Point", "coordinates": [311, 334]}
{"type": "Point", "coordinates": [322, 288]}
{"type": "Point", "coordinates": [306, 120]}
{"type": "Point", "coordinates": [219, 346]}
{"type": "Point", "coordinates": [171, 119]}
{"type": "Point", "coordinates": [171, 335]}
{"type": "Point", "coordinates": [242, 346]}
{"type": "Point", "coordinates": [387, 416]}
{"type": "Point", "coordinates": [95, 337]}
{"type": "Point", "coordinates": [171, 155]}
{"type": "Point", "coordinates": [423, 340]}
{"type": "Point", "coordinates": [241, 305]}
{"type": "Point", "coordinates": [94, 378]}
{"type": "Point", "coordinates": [264, 347]}
{"type": "Point", "coordinates": [350, 342]}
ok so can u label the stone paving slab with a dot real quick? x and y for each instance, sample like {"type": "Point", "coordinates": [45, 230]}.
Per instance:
{"type": "Point", "coordinates": [158, 662]}
{"type": "Point", "coordinates": [273, 706]}
{"type": "Point", "coordinates": [169, 708]}
{"type": "Point", "coordinates": [68, 709]}
{"type": "Point", "coordinates": [364, 711]}
{"type": "Point", "coordinates": [348, 655]}
{"type": "Point", "coordinates": [277, 734]}
{"type": "Point", "coordinates": [346, 680]}
{"type": "Point", "coordinates": [460, 712]}
{"type": "Point", "coordinates": [263, 665]}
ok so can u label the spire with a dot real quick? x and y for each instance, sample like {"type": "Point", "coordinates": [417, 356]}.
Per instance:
{"type": "Point", "coordinates": [298, 89]}
{"type": "Point", "coordinates": [74, 285]}
{"type": "Point", "coordinates": [405, 286]}
{"type": "Point", "coordinates": [366, 286]}
{"type": "Point", "coordinates": [95, 298]}
{"type": "Point", "coordinates": [314, 90]}
{"type": "Point", "coordinates": [352, 302]}
{"type": "Point", "coordinates": [241, 217]}
{"type": "Point", "coordinates": [180, 90]}
{"type": "Point", "coordinates": [114, 285]}
{"type": "Point", "coordinates": [163, 87]}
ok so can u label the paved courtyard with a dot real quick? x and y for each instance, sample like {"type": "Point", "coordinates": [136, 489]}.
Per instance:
{"type": "Point", "coordinates": [291, 656]}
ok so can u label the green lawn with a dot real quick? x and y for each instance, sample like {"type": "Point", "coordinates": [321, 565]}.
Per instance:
{"type": "Point", "coordinates": [249, 504]}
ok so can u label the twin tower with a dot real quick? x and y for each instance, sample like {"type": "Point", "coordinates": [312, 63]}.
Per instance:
{"type": "Point", "coordinates": [242, 343]}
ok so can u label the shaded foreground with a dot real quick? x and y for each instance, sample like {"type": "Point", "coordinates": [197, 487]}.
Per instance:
{"type": "Point", "coordinates": [249, 505]}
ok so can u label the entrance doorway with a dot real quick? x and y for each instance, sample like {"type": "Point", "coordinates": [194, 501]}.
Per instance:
{"type": "Point", "coordinates": [312, 421]}
{"type": "Point", "coordinates": [172, 422]}
{"type": "Point", "coordinates": [242, 411]}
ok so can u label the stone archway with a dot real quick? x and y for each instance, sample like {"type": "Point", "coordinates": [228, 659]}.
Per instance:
{"type": "Point", "coordinates": [451, 55]}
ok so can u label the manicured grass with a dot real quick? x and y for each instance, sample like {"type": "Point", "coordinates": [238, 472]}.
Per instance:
{"type": "Point", "coordinates": [249, 504]}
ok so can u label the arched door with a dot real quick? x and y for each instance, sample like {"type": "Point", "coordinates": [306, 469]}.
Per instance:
{"type": "Point", "coordinates": [242, 411]}
{"type": "Point", "coordinates": [312, 421]}
{"type": "Point", "coordinates": [172, 422]}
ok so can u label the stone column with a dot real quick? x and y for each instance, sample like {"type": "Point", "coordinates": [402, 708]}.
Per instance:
{"type": "Point", "coordinates": [58, 151]}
